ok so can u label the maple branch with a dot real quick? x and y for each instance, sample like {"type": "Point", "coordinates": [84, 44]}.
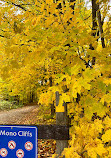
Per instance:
{"type": "Point", "coordinates": [88, 17]}
{"type": "Point", "coordinates": [2, 36]}
{"type": "Point", "coordinates": [88, 64]}
{"type": "Point", "coordinates": [26, 4]}
{"type": "Point", "coordinates": [17, 5]}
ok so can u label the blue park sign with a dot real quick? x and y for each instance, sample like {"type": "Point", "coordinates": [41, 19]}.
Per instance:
{"type": "Point", "coordinates": [18, 141]}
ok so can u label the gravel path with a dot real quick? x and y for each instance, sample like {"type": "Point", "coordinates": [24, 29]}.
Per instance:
{"type": "Point", "coordinates": [18, 116]}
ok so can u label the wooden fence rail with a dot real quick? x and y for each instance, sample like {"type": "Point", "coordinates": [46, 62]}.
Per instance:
{"type": "Point", "coordinates": [56, 132]}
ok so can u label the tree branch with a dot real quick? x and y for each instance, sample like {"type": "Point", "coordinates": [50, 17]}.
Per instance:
{"type": "Point", "coordinates": [2, 36]}
{"type": "Point", "coordinates": [17, 5]}
{"type": "Point", "coordinates": [88, 17]}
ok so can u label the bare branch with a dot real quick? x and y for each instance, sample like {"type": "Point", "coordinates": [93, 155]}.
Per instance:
{"type": "Point", "coordinates": [88, 17]}
{"type": "Point", "coordinates": [2, 36]}
{"type": "Point", "coordinates": [17, 5]}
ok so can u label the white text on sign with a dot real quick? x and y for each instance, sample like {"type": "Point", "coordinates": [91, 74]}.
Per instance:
{"type": "Point", "coordinates": [19, 133]}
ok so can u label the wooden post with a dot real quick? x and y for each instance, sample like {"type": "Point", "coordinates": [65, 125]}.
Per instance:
{"type": "Point", "coordinates": [61, 119]}
{"type": "Point", "coordinates": [52, 105]}
{"type": "Point", "coordinates": [52, 109]}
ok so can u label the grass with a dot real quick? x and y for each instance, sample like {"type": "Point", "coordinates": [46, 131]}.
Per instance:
{"type": "Point", "coordinates": [6, 105]}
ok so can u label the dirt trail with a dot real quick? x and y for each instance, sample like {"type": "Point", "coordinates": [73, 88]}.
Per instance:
{"type": "Point", "coordinates": [19, 116]}
{"type": "Point", "coordinates": [29, 115]}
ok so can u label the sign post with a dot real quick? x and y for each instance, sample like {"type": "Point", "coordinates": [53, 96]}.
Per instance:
{"type": "Point", "coordinates": [18, 141]}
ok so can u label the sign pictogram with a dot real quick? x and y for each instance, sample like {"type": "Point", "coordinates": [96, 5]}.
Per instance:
{"type": "Point", "coordinates": [28, 146]}
{"type": "Point", "coordinates": [3, 152]}
{"type": "Point", "coordinates": [20, 153]}
{"type": "Point", "coordinates": [11, 144]}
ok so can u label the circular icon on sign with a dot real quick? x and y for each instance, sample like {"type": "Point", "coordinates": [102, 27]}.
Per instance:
{"type": "Point", "coordinates": [28, 146]}
{"type": "Point", "coordinates": [20, 153]}
{"type": "Point", "coordinates": [11, 144]}
{"type": "Point", "coordinates": [3, 152]}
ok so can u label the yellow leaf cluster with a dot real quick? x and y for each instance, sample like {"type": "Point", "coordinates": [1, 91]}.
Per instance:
{"type": "Point", "coordinates": [107, 136]}
{"type": "Point", "coordinates": [63, 98]}
{"type": "Point", "coordinates": [45, 99]}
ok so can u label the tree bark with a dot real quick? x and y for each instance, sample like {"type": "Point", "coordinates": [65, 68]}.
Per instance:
{"type": "Point", "coordinates": [97, 14]}
{"type": "Point", "coordinates": [100, 26]}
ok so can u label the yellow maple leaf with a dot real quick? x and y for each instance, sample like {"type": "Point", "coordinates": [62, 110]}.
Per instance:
{"type": "Point", "coordinates": [107, 122]}
{"type": "Point", "coordinates": [100, 150]}
{"type": "Point", "coordinates": [63, 98]}
{"type": "Point", "coordinates": [60, 107]}
{"type": "Point", "coordinates": [107, 136]}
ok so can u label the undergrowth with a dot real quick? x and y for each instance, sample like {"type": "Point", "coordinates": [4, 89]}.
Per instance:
{"type": "Point", "coordinates": [7, 105]}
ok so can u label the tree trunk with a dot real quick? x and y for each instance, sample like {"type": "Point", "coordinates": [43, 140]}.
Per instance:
{"type": "Point", "coordinates": [100, 26]}
{"type": "Point", "coordinates": [97, 14]}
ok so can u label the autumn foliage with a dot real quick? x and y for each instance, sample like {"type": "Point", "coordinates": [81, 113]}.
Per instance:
{"type": "Point", "coordinates": [70, 44]}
